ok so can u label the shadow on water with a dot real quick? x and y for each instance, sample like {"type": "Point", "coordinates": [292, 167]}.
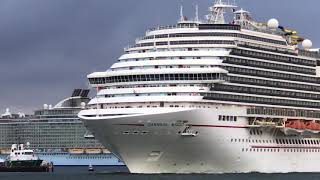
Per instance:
{"type": "Point", "coordinates": [121, 173]}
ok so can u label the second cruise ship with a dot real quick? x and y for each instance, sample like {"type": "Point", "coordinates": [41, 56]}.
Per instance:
{"type": "Point", "coordinates": [212, 96]}
{"type": "Point", "coordinates": [56, 134]}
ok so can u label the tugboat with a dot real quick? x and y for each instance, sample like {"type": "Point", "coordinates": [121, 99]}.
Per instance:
{"type": "Point", "coordinates": [23, 159]}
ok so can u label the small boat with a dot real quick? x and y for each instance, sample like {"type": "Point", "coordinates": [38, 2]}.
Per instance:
{"type": "Point", "coordinates": [23, 159]}
{"type": "Point", "coordinates": [90, 168]}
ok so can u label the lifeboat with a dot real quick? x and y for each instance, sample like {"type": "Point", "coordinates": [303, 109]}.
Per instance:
{"type": "Point", "coordinates": [310, 128]}
{"type": "Point", "coordinates": [76, 151]}
{"type": "Point", "coordinates": [310, 125]}
{"type": "Point", "coordinates": [293, 127]}
{"type": "Point", "coordinates": [93, 151]}
{"type": "Point", "coordinates": [5, 151]}
{"type": "Point", "coordinates": [305, 127]}
{"type": "Point", "coordinates": [317, 126]}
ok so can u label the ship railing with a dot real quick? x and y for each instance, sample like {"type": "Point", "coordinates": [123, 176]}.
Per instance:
{"type": "Point", "coordinates": [177, 26]}
{"type": "Point", "coordinates": [144, 38]}
{"type": "Point", "coordinates": [263, 30]}
{"type": "Point", "coordinates": [311, 54]}
{"type": "Point", "coordinates": [265, 47]}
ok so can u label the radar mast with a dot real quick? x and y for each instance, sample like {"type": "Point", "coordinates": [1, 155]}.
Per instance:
{"type": "Point", "coordinates": [217, 11]}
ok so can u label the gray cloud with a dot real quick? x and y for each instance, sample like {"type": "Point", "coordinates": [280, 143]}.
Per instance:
{"type": "Point", "coordinates": [47, 47]}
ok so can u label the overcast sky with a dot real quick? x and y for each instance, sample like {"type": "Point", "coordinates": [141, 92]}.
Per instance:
{"type": "Point", "coordinates": [47, 47]}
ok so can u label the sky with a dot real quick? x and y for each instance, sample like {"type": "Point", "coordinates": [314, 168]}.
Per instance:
{"type": "Point", "coordinates": [47, 47]}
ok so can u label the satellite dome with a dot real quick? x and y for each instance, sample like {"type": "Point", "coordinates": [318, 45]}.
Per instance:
{"type": "Point", "coordinates": [273, 23]}
{"type": "Point", "coordinates": [306, 44]}
{"type": "Point", "coordinates": [45, 106]}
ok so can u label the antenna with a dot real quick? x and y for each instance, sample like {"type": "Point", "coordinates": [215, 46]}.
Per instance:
{"type": "Point", "coordinates": [197, 13]}
{"type": "Point", "coordinates": [181, 13]}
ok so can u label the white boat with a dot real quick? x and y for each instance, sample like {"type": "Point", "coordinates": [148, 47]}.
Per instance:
{"type": "Point", "coordinates": [90, 168]}
{"type": "Point", "coordinates": [183, 99]}
{"type": "Point", "coordinates": [22, 157]}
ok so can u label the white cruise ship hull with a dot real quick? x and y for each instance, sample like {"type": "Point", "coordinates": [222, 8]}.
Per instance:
{"type": "Point", "coordinates": [153, 143]}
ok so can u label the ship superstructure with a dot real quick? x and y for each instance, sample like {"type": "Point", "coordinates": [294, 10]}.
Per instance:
{"type": "Point", "coordinates": [56, 134]}
{"type": "Point", "coordinates": [213, 96]}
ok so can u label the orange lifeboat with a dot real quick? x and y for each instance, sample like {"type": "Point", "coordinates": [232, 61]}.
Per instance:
{"type": "Point", "coordinates": [317, 126]}
{"type": "Point", "coordinates": [293, 127]}
{"type": "Point", "coordinates": [314, 126]}
{"type": "Point", "coordinates": [289, 124]}
{"type": "Point", "coordinates": [309, 125]}
{"type": "Point", "coordinates": [295, 124]}
{"type": "Point", "coordinates": [302, 124]}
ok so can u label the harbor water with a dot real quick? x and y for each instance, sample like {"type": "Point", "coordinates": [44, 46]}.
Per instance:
{"type": "Point", "coordinates": [121, 173]}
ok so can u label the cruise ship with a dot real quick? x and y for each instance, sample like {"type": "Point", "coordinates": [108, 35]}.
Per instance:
{"type": "Point", "coordinates": [212, 96]}
{"type": "Point", "coordinates": [56, 134]}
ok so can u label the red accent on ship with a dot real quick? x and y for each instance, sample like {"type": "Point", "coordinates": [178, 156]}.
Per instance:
{"type": "Point", "coordinates": [302, 124]}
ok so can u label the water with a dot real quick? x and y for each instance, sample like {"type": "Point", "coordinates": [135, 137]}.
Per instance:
{"type": "Point", "coordinates": [116, 173]}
